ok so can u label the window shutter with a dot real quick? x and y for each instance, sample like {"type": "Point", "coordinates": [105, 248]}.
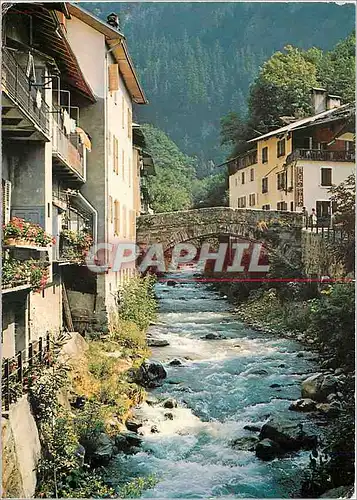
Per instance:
{"type": "Point", "coordinates": [113, 77]}
{"type": "Point", "coordinates": [6, 201]}
{"type": "Point", "coordinates": [110, 209]}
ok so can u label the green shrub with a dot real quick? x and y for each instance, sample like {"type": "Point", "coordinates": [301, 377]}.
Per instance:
{"type": "Point", "coordinates": [136, 301]}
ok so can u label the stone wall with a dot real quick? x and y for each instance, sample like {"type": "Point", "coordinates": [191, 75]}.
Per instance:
{"type": "Point", "coordinates": [318, 257]}
{"type": "Point", "coordinates": [21, 451]}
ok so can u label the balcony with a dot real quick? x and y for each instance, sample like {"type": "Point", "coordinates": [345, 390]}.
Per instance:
{"type": "Point", "coordinates": [321, 155]}
{"type": "Point", "coordinates": [243, 161]}
{"type": "Point", "coordinates": [68, 154]}
{"type": "Point", "coordinates": [25, 115]}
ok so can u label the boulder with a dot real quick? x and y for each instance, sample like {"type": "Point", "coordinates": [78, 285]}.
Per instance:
{"type": "Point", "coordinates": [318, 387]}
{"type": "Point", "coordinates": [329, 409]}
{"type": "Point", "coordinates": [303, 405]}
{"type": "Point", "coordinates": [102, 450]}
{"type": "Point", "coordinates": [133, 425]}
{"type": "Point", "coordinates": [154, 429]}
{"type": "Point", "coordinates": [171, 283]}
{"type": "Point", "coordinates": [267, 449]}
{"type": "Point", "coordinates": [339, 492]}
{"type": "Point", "coordinates": [169, 416]}
{"type": "Point", "coordinates": [150, 374]}
{"type": "Point", "coordinates": [252, 428]}
{"type": "Point", "coordinates": [170, 403]}
{"type": "Point", "coordinates": [257, 371]}
{"type": "Point", "coordinates": [245, 443]}
{"type": "Point", "coordinates": [157, 342]}
{"type": "Point", "coordinates": [338, 371]}
{"type": "Point", "coordinates": [213, 336]}
{"type": "Point", "coordinates": [175, 362]}
{"type": "Point", "coordinates": [290, 435]}
{"type": "Point", "coordinates": [126, 441]}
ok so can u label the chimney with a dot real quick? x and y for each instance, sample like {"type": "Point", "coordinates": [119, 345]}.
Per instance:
{"type": "Point", "coordinates": [113, 20]}
{"type": "Point", "coordinates": [333, 101]}
{"type": "Point", "coordinates": [319, 100]}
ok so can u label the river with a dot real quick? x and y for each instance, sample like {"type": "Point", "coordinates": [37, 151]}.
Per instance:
{"type": "Point", "coordinates": [223, 386]}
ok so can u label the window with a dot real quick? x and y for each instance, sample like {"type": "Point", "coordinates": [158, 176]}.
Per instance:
{"type": "Point", "coordinates": [265, 155]}
{"type": "Point", "coordinates": [123, 163]}
{"type": "Point", "coordinates": [116, 217]}
{"type": "Point", "coordinates": [265, 185]}
{"type": "Point", "coordinates": [281, 205]}
{"type": "Point", "coordinates": [242, 202]}
{"type": "Point", "coordinates": [252, 174]}
{"type": "Point", "coordinates": [281, 148]}
{"type": "Point", "coordinates": [266, 207]}
{"type": "Point", "coordinates": [124, 221]}
{"type": "Point", "coordinates": [243, 177]}
{"type": "Point", "coordinates": [129, 123]}
{"type": "Point", "coordinates": [281, 181]}
{"type": "Point", "coordinates": [116, 155]}
{"type": "Point", "coordinates": [252, 200]}
{"type": "Point", "coordinates": [326, 177]}
{"type": "Point", "coordinates": [130, 172]}
{"type": "Point", "coordinates": [122, 113]}
{"type": "Point", "coordinates": [110, 209]}
{"type": "Point", "coordinates": [236, 179]}
{"type": "Point", "coordinates": [291, 206]}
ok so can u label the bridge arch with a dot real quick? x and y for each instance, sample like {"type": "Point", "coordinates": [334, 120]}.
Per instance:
{"type": "Point", "coordinates": [280, 232]}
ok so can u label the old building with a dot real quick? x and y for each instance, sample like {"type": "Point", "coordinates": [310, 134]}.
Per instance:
{"type": "Point", "coordinates": [70, 170]}
{"type": "Point", "coordinates": [294, 166]}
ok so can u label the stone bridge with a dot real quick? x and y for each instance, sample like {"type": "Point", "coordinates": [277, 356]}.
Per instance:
{"type": "Point", "coordinates": [280, 232]}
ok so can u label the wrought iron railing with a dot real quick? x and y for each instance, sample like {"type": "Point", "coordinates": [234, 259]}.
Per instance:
{"type": "Point", "coordinates": [18, 370]}
{"type": "Point", "coordinates": [321, 155]}
{"type": "Point", "coordinates": [17, 86]}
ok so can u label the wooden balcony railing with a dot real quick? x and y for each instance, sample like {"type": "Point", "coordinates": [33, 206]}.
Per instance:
{"type": "Point", "coordinates": [321, 155]}
{"type": "Point", "coordinates": [68, 149]}
{"type": "Point", "coordinates": [17, 86]}
{"type": "Point", "coordinates": [245, 160]}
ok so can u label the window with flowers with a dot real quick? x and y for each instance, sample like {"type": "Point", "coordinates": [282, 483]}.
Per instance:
{"type": "Point", "coordinates": [20, 232]}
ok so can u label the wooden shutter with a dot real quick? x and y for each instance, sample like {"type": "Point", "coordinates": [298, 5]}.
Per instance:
{"type": "Point", "coordinates": [124, 221]}
{"type": "Point", "coordinates": [116, 155]}
{"type": "Point", "coordinates": [116, 217]}
{"type": "Point", "coordinates": [122, 112]}
{"type": "Point", "coordinates": [6, 201]}
{"type": "Point", "coordinates": [123, 163]}
{"type": "Point", "coordinates": [129, 123]}
{"type": "Point", "coordinates": [113, 77]}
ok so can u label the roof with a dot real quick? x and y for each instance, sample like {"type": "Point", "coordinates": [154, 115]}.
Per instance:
{"type": "Point", "coordinates": [49, 37]}
{"type": "Point", "coordinates": [116, 42]}
{"type": "Point", "coordinates": [325, 116]}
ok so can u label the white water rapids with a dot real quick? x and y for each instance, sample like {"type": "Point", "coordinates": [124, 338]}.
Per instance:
{"type": "Point", "coordinates": [223, 386]}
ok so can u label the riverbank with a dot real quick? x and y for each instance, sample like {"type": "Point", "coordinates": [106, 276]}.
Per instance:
{"type": "Point", "coordinates": [323, 322]}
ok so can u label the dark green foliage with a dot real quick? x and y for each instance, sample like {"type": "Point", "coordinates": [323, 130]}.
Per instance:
{"type": "Point", "coordinates": [197, 60]}
{"type": "Point", "coordinates": [170, 188]}
{"type": "Point", "coordinates": [210, 191]}
{"type": "Point", "coordinates": [137, 301]}
{"type": "Point", "coordinates": [333, 320]}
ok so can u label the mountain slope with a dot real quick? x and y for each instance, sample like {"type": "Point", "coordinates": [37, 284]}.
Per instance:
{"type": "Point", "coordinates": [196, 61]}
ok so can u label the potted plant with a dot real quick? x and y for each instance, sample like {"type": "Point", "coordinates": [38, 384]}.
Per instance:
{"type": "Point", "coordinates": [18, 232]}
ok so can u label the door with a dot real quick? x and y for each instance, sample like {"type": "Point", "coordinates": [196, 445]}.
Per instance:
{"type": "Point", "coordinates": [323, 212]}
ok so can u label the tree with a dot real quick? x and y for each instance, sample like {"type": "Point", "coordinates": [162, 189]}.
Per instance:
{"type": "Point", "coordinates": [344, 198]}
{"type": "Point", "coordinates": [282, 88]}
{"type": "Point", "coordinates": [171, 188]}
{"type": "Point", "coordinates": [210, 191]}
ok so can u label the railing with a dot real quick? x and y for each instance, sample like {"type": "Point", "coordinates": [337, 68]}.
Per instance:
{"type": "Point", "coordinates": [321, 155]}
{"type": "Point", "coordinates": [71, 154]}
{"type": "Point", "coordinates": [18, 370]}
{"type": "Point", "coordinates": [16, 84]}
{"type": "Point", "coordinates": [327, 230]}
{"type": "Point", "coordinates": [245, 160]}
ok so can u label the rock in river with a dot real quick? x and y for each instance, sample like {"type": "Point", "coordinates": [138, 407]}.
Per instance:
{"type": "Point", "coordinates": [151, 373]}
{"type": "Point", "coordinates": [102, 450]}
{"type": "Point", "coordinates": [157, 342]}
{"type": "Point", "coordinates": [267, 449]}
{"type": "Point", "coordinates": [290, 435]}
{"type": "Point", "coordinates": [318, 387]}
{"type": "Point", "coordinates": [303, 405]}
{"type": "Point", "coordinates": [133, 425]}
{"type": "Point", "coordinates": [213, 336]}
{"type": "Point", "coordinates": [170, 403]}
{"type": "Point", "coordinates": [175, 362]}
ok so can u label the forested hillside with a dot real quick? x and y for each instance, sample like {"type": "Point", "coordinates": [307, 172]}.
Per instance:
{"type": "Point", "coordinates": [196, 61]}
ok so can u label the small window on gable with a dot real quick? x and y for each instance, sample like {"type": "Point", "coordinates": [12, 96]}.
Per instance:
{"type": "Point", "coordinates": [265, 155]}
